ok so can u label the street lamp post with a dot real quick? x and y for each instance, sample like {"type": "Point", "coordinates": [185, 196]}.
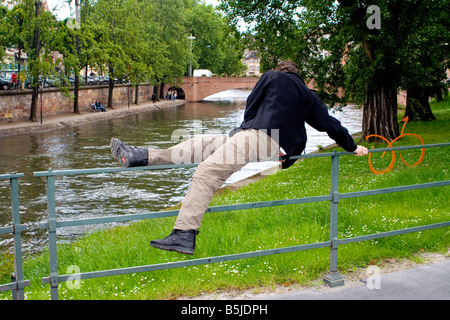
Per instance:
{"type": "Point", "coordinates": [77, 12]}
{"type": "Point", "coordinates": [190, 66]}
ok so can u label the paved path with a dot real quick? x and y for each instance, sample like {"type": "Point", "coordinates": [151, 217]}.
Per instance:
{"type": "Point", "coordinates": [427, 282]}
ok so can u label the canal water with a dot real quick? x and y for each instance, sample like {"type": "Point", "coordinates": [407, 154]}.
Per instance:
{"type": "Point", "coordinates": [87, 146]}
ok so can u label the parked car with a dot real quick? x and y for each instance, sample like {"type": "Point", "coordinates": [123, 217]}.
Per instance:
{"type": "Point", "coordinates": [5, 84]}
{"type": "Point", "coordinates": [53, 81]}
{"type": "Point", "coordinates": [105, 79]}
{"type": "Point", "coordinates": [10, 80]}
{"type": "Point", "coordinates": [92, 80]}
{"type": "Point", "coordinates": [80, 79]}
{"type": "Point", "coordinates": [45, 82]}
{"type": "Point", "coordinates": [122, 81]}
{"type": "Point", "coordinates": [9, 75]}
{"type": "Point", "coordinates": [64, 81]}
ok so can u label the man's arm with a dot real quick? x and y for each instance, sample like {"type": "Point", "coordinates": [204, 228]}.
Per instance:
{"type": "Point", "coordinates": [320, 120]}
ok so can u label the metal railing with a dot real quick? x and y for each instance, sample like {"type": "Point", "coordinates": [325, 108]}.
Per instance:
{"type": "Point", "coordinates": [17, 284]}
{"type": "Point", "coordinates": [333, 278]}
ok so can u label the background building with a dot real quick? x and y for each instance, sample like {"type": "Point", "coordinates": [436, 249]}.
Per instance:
{"type": "Point", "coordinates": [252, 61]}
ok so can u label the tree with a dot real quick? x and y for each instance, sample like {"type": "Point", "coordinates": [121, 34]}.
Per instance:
{"type": "Point", "coordinates": [273, 28]}
{"type": "Point", "coordinates": [13, 29]}
{"type": "Point", "coordinates": [233, 47]}
{"type": "Point", "coordinates": [66, 42]}
{"type": "Point", "coordinates": [204, 24]}
{"type": "Point", "coordinates": [29, 28]}
{"type": "Point", "coordinates": [371, 57]}
{"type": "Point", "coordinates": [77, 29]}
{"type": "Point", "coordinates": [3, 30]}
{"type": "Point", "coordinates": [138, 46]}
{"type": "Point", "coordinates": [218, 45]}
{"type": "Point", "coordinates": [170, 16]}
{"type": "Point", "coordinates": [361, 45]}
{"type": "Point", "coordinates": [110, 21]}
{"type": "Point", "coordinates": [156, 54]}
{"type": "Point", "coordinates": [396, 55]}
{"type": "Point", "coordinates": [37, 30]}
{"type": "Point", "coordinates": [426, 57]}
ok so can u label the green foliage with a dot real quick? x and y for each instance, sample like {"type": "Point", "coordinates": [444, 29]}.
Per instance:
{"type": "Point", "coordinates": [143, 41]}
{"type": "Point", "coordinates": [218, 46]}
{"type": "Point", "coordinates": [273, 29]}
{"type": "Point", "coordinates": [333, 44]}
{"type": "Point", "coordinates": [111, 27]}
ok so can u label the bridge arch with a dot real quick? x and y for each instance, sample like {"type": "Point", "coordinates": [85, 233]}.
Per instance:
{"type": "Point", "coordinates": [179, 91]}
{"type": "Point", "coordinates": [198, 88]}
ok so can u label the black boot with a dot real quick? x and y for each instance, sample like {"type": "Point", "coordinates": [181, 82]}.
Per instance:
{"type": "Point", "coordinates": [179, 241]}
{"type": "Point", "coordinates": [128, 156]}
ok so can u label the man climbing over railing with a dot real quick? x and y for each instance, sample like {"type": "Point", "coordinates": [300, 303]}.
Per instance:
{"type": "Point", "coordinates": [273, 128]}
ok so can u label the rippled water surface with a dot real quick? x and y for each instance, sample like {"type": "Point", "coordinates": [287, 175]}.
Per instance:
{"type": "Point", "coordinates": [87, 146]}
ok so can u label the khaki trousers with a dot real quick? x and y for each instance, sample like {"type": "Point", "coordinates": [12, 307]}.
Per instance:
{"type": "Point", "coordinates": [219, 158]}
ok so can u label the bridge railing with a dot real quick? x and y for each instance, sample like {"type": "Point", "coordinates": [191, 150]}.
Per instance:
{"type": "Point", "coordinates": [333, 278]}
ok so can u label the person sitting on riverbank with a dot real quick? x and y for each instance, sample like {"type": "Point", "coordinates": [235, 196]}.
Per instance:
{"type": "Point", "coordinates": [274, 125]}
{"type": "Point", "coordinates": [98, 106]}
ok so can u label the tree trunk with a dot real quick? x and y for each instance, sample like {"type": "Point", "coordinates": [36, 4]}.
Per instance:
{"type": "Point", "coordinates": [36, 49]}
{"type": "Point", "coordinates": [111, 88]}
{"type": "Point", "coordinates": [75, 92]}
{"type": "Point", "coordinates": [155, 91]}
{"type": "Point", "coordinates": [136, 94]}
{"type": "Point", "coordinates": [34, 101]}
{"type": "Point", "coordinates": [417, 105]}
{"type": "Point", "coordinates": [380, 113]}
{"type": "Point", "coordinates": [76, 108]}
{"type": "Point", "coordinates": [161, 91]}
{"type": "Point", "coordinates": [438, 93]}
{"type": "Point", "coordinates": [19, 82]}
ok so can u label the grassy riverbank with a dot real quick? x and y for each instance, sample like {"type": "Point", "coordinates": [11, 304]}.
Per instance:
{"type": "Point", "coordinates": [256, 229]}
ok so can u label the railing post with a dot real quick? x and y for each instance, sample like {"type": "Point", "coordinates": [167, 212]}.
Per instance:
{"type": "Point", "coordinates": [52, 237]}
{"type": "Point", "coordinates": [17, 276]}
{"type": "Point", "coordinates": [333, 278]}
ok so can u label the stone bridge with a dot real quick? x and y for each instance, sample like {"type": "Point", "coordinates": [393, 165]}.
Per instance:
{"type": "Point", "coordinates": [198, 88]}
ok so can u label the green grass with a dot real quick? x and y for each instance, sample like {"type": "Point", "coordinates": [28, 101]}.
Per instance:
{"type": "Point", "coordinates": [250, 230]}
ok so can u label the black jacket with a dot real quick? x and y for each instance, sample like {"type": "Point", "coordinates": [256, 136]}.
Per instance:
{"type": "Point", "coordinates": [283, 101]}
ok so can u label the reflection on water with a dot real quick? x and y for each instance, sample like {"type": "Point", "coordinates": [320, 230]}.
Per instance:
{"type": "Point", "coordinates": [87, 146]}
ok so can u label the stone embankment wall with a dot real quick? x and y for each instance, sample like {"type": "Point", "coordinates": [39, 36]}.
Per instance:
{"type": "Point", "coordinates": [15, 105]}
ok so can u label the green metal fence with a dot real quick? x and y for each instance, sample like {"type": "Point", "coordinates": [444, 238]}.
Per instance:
{"type": "Point", "coordinates": [17, 284]}
{"type": "Point", "coordinates": [333, 278]}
